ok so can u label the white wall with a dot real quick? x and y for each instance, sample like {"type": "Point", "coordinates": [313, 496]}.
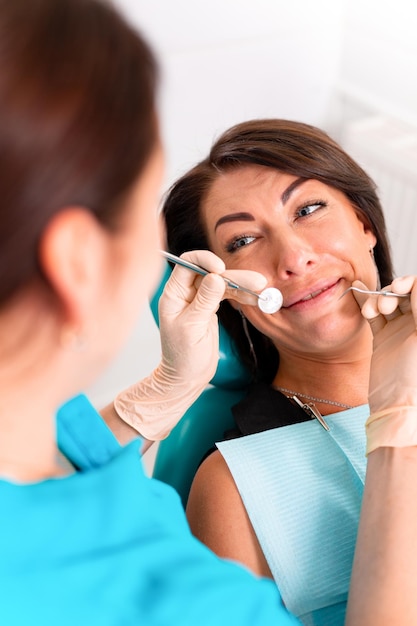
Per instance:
{"type": "Point", "coordinates": [225, 61]}
{"type": "Point", "coordinates": [379, 56]}
{"type": "Point", "coordinates": [375, 111]}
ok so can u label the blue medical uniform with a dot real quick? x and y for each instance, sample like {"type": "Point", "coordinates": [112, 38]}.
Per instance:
{"type": "Point", "coordinates": [107, 545]}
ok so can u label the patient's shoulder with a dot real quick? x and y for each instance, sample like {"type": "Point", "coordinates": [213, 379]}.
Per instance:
{"type": "Point", "coordinates": [213, 478]}
{"type": "Point", "coordinates": [218, 518]}
{"type": "Point", "coordinates": [213, 493]}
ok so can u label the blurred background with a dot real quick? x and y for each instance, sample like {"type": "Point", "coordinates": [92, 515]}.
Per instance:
{"type": "Point", "coordinates": [347, 66]}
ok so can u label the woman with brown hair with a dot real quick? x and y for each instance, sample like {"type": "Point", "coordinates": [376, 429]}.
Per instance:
{"type": "Point", "coordinates": [283, 494]}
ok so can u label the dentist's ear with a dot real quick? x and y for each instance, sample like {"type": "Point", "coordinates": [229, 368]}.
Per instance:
{"type": "Point", "coordinates": [71, 255]}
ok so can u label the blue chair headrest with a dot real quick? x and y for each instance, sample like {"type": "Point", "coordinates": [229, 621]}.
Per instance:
{"type": "Point", "coordinates": [230, 373]}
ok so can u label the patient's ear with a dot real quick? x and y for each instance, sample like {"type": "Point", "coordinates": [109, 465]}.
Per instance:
{"type": "Point", "coordinates": [71, 255]}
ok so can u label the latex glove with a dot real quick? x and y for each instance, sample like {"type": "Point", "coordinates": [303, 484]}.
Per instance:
{"type": "Point", "coordinates": [393, 377]}
{"type": "Point", "coordinates": [190, 344]}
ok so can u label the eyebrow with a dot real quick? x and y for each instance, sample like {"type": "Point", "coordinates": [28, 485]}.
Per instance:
{"type": "Point", "coordinates": [286, 194]}
{"type": "Point", "coordinates": [234, 217]}
{"type": "Point", "coordinates": [248, 217]}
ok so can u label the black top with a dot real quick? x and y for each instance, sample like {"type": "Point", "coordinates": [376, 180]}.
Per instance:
{"type": "Point", "coordinates": [262, 409]}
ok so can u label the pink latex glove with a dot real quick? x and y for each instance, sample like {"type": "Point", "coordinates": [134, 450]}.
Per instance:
{"type": "Point", "coordinates": [190, 345]}
{"type": "Point", "coordinates": [393, 378]}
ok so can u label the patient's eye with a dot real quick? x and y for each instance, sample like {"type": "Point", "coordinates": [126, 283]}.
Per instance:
{"type": "Point", "coordinates": [239, 242]}
{"type": "Point", "coordinates": [309, 208]}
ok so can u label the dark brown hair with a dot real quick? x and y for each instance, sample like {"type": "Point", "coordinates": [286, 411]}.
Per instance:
{"type": "Point", "coordinates": [77, 120]}
{"type": "Point", "coordinates": [290, 147]}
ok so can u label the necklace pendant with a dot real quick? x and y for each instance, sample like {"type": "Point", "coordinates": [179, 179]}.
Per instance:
{"type": "Point", "coordinates": [312, 411]}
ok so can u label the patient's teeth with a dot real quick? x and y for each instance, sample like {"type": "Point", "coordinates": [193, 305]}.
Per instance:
{"type": "Point", "coordinates": [313, 295]}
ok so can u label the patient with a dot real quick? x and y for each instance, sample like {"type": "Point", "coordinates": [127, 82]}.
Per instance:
{"type": "Point", "coordinates": [283, 495]}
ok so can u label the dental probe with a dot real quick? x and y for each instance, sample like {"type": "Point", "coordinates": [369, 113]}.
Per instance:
{"type": "Point", "coordinates": [269, 300]}
{"type": "Point", "coordinates": [377, 292]}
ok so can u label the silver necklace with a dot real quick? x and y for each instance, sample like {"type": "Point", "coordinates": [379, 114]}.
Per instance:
{"type": "Point", "coordinates": [308, 407]}
{"type": "Point", "coordinates": [312, 398]}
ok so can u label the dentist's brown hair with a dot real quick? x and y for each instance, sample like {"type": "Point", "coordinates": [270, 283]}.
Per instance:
{"type": "Point", "coordinates": [77, 120]}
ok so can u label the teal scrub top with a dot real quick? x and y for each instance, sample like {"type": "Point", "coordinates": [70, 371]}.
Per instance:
{"type": "Point", "coordinates": [107, 545]}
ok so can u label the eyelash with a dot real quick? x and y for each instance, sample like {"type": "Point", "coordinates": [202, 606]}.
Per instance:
{"type": "Point", "coordinates": [316, 203]}
{"type": "Point", "coordinates": [233, 245]}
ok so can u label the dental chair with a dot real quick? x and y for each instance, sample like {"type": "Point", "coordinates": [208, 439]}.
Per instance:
{"type": "Point", "coordinates": [179, 455]}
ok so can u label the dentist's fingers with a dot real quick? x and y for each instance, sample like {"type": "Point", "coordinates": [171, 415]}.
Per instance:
{"type": "Point", "coordinates": [405, 284]}
{"type": "Point", "coordinates": [245, 278]}
{"type": "Point", "coordinates": [360, 297]}
{"type": "Point", "coordinates": [186, 278]}
{"type": "Point", "coordinates": [409, 285]}
{"type": "Point", "coordinates": [388, 306]}
{"type": "Point", "coordinates": [369, 308]}
{"type": "Point", "coordinates": [209, 294]}
{"type": "Point", "coordinates": [184, 283]}
{"type": "Point", "coordinates": [382, 309]}
{"type": "Point", "coordinates": [376, 320]}
{"type": "Point", "coordinates": [205, 259]}
{"type": "Point", "coordinates": [413, 301]}
{"type": "Point", "coordinates": [392, 307]}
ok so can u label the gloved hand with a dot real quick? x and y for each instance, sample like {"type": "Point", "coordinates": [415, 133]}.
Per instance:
{"type": "Point", "coordinates": [190, 344]}
{"type": "Point", "coordinates": [393, 378]}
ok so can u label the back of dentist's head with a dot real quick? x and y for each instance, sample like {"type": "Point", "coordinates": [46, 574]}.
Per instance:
{"type": "Point", "coordinates": [77, 120]}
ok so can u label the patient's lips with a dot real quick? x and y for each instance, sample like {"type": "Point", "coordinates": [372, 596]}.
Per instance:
{"type": "Point", "coordinates": [311, 293]}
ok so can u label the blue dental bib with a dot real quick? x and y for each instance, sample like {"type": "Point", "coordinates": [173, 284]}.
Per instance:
{"type": "Point", "coordinates": [302, 487]}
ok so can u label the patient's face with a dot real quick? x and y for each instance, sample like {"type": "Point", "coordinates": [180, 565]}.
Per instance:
{"type": "Point", "coordinates": [308, 241]}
